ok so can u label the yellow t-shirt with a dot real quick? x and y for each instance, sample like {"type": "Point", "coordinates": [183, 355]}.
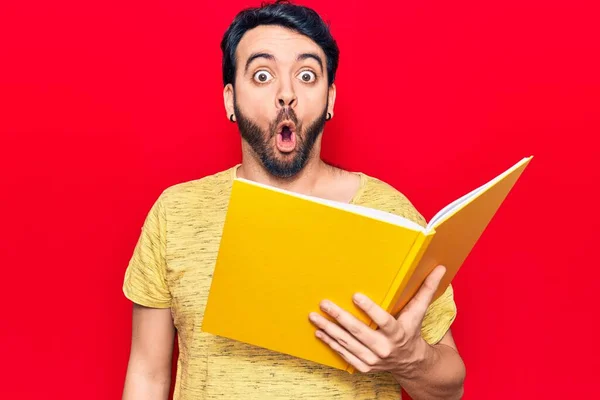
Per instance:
{"type": "Point", "coordinates": [172, 266]}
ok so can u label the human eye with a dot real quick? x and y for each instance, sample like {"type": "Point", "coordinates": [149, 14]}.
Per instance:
{"type": "Point", "coordinates": [262, 76]}
{"type": "Point", "coordinates": [307, 76]}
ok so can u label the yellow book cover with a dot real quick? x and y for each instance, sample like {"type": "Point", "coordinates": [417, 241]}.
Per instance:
{"type": "Point", "coordinates": [281, 253]}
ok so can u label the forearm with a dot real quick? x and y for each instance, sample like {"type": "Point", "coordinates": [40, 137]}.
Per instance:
{"type": "Point", "coordinates": [140, 386]}
{"type": "Point", "coordinates": [438, 375]}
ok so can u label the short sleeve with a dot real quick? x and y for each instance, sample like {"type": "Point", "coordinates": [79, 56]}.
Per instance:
{"type": "Point", "coordinates": [439, 316]}
{"type": "Point", "coordinates": [145, 278]}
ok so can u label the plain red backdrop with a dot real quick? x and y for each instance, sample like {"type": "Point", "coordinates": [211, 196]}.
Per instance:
{"type": "Point", "coordinates": [104, 104]}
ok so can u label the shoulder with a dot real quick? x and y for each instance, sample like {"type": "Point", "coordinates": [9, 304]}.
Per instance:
{"type": "Point", "coordinates": [378, 194]}
{"type": "Point", "coordinates": [198, 191]}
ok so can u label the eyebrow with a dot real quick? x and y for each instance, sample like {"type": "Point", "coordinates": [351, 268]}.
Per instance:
{"type": "Point", "coordinates": [271, 57]}
{"type": "Point", "coordinates": [306, 56]}
{"type": "Point", "coordinates": [254, 56]}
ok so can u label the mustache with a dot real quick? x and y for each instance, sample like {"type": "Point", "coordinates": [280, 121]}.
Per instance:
{"type": "Point", "coordinates": [284, 114]}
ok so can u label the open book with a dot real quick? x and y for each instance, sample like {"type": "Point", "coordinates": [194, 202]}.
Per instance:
{"type": "Point", "coordinates": [281, 253]}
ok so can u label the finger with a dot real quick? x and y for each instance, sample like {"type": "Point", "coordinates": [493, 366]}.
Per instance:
{"type": "Point", "coordinates": [344, 338]}
{"type": "Point", "coordinates": [346, 355]}
{"type": "Point", "coordinates": [417, 307]}
{"type": "Point", "coordinates": [386, 322]}
{"type": "Point", "coordinates": [365, 335]}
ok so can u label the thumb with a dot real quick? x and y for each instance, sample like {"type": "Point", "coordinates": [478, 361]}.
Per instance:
{"type": "Point", "coordinates": [417, 306]}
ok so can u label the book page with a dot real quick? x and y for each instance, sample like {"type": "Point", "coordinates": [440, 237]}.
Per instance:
{"type": "Point", "coordinates": [457, 204]}
{"type": "Point", "coordinates": [361, 210]}
{"type": "Point", "coordinates": [443, 213]}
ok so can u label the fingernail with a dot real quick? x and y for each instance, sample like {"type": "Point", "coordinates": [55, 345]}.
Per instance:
{"type": "Point", "coordinates": [318, 334]}
{"type": "Point", "coordinates": [325, 305]}
{"type": "Point", "coordinates": [359, 298]}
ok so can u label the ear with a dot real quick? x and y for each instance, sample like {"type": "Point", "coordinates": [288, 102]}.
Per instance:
{"type": "Point", "coordinates": [228, 100]}
{"type": "Point", "coordinates": [331, 98]}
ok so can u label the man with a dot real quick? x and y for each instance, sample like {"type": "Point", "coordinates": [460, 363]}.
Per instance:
{"type": "Point", "coordinates": [279, 64]}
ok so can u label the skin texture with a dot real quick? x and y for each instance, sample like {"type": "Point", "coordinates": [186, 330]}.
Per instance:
{"type": "Point", "coordinates": [287, 83]}
{"type": "Point", "coordinates": [425, 371]}
{"type": "Point", "coordinates": [285, 92]}
{"type": "Point", "coordinates": [149, 369]}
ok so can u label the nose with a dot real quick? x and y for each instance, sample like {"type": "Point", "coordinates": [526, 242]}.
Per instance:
{"type": "Point", "coordinates": [286, 97]}
{"type": "Point", "coordinates": [290, 103]}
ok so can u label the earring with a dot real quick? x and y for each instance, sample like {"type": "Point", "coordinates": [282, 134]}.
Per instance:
{"type": "Point", "coordinates": [231, 118]}
{"type": "Point", "coordinates": [328, 117]}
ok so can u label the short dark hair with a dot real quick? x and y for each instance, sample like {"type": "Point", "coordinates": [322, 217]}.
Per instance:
{"type": "Point", "coordinates": [301, 19]}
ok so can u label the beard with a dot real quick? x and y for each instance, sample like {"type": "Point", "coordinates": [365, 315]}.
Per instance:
{"type": "Point", "coordinates": [261, 142]}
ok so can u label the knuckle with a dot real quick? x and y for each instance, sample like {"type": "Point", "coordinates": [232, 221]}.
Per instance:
{"type": "Point", "coordinates": [371, 361]}
{"type": "Point", "coordinates": [342, 342]}
{"type": "Point", "coordinates": [421, 297]}
{"type": "Point", "coordinates": [387, 323]}
{"type": "Point", "coordinates": [401, 336]}
{"type": "Point", "coordinates": [404, 322]}
{"type": "Point", "coordinates": [384, 352]}
{"type": "Point", "coordinates": [353, 329]}
{"type": "Point", "coordinates": [429, 284]}
{"type": "Point", "coordinates": [332, 340]}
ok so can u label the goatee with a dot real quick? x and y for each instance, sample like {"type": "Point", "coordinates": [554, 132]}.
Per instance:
{"type": "Point", "coordinates": [261, 142]}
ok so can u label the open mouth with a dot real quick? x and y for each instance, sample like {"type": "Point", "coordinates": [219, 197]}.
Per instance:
{"type": "Point", "coordinates": [286, 133]}
{"type": "Point", "coordinates": [286, 136]}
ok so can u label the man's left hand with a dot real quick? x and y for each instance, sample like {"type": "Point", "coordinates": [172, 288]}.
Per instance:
{"type": "Point", "coordinates": [396, 346]}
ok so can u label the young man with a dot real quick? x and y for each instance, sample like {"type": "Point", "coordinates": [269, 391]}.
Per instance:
{"type": "Point", "coordinates": [279, 64]}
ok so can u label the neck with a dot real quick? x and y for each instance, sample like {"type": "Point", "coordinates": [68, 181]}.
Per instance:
{"type": "Point", "coordinates": [306, 181]}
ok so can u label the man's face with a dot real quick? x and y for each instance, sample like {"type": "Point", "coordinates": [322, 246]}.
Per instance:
{"type": "Point", "coordinates": [281, 97]}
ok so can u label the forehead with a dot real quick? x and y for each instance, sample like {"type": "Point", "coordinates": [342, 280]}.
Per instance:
{"type": "Point", "coordinates": [283, 43]}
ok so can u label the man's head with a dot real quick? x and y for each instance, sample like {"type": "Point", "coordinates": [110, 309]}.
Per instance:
{"type": "Point", "coordinates": [279, 65]}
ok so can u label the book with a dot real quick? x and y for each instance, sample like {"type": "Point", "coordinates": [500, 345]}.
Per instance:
{"type": "Point", "coordinates": [282, 253]}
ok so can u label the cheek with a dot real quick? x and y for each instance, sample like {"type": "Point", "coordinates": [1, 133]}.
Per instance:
{"type": "Point", "coordinates": [257, 105]}
{"type": "Point", "coordinates": [312, 99]}
{"type": "Point", "coordinates": [256, 109]}
{"type": "Point", "coordinates": [311, 107]}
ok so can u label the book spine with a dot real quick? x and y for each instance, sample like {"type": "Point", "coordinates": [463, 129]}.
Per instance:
{"type": "Point", "coordinates": [402, 277]}
{"type": "Point", "coordinates": [405, 272]}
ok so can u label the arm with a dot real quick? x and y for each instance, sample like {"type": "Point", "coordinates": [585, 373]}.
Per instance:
{"type": "Point", "coordinates": [150, 360]}
{"type": "Point", "coordinates": [424, 371]}
{"type": "Point", "coordinates": [439, 374]}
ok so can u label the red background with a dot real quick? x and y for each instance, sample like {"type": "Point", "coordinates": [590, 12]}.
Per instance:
{"type": "Point", "coordinates": [103, 105]}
